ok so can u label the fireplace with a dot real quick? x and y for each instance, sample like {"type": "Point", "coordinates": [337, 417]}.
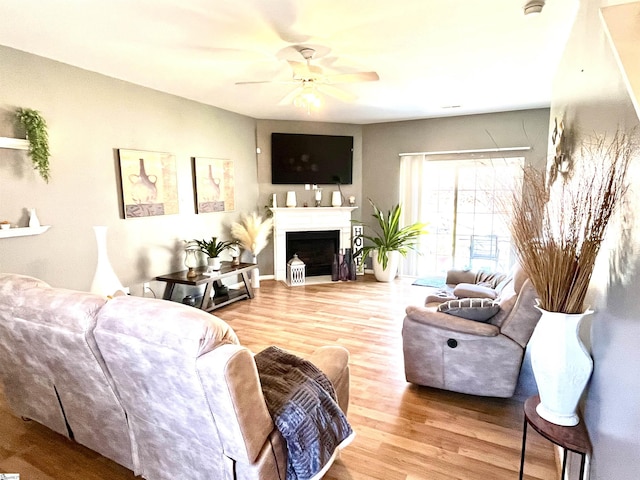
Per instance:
{"type": "Point", "coordinates": [315, 249]}
{"type": "Point", "coordinates": [308, 220]}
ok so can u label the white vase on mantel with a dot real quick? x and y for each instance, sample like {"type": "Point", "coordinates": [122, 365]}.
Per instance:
{"type": "Point", "coordinates": [561, 365]}
{"type": "Point", "coordinates": [105, 281]}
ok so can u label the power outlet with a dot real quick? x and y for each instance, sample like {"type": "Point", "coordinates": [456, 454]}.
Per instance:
{"type": "Point", "coordinates": [146, 287]}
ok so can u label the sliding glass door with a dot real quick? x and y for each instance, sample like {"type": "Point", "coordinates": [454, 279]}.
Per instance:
{"type": "Point", "coordinates": [463, 201]}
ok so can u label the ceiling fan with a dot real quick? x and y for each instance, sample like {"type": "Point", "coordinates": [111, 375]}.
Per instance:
{"type": "Point", "coordinates": [312, 80]}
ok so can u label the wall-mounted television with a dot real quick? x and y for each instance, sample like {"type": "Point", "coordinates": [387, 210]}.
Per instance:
{"type": "Point", "coordinates": [298, 159]}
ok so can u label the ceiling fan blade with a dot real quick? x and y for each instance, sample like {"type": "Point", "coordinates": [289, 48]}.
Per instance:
{"type": "Point", "coordinates": [281, 82]}
{"type": "Point", "coordinates": [336, 92]}
{"type": "Point", "coordinates": [352, 77]}
{"type": "Point", "coordinates": [304, 70]}
{"type": "Point", "coordinates": [288, 99]}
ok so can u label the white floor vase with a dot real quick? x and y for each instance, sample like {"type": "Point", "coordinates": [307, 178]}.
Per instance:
{"type": "Point", "coordinates": [561, 366]}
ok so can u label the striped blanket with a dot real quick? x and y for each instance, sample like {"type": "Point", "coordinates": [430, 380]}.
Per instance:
{"type": "Point", "coordinates": [302, 403]}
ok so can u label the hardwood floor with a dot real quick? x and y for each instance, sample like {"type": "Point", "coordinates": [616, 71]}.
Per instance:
{"type": "Point", "coordinates": [403, 432]}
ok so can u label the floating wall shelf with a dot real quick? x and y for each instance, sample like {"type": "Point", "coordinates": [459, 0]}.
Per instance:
{"type": "Point", "coordinates": [14, 143]}
{"type": "Point", "coordinates": [23, 231]}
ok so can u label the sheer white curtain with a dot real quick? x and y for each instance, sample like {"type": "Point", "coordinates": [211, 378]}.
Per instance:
{"type": "Point", "coordinates": [412, 168]}
{"type": "Point", "coordinates": [460, 199]}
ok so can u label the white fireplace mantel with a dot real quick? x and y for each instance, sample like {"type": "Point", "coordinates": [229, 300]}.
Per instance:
{"type": "Point", "coordinates": [306, 219]}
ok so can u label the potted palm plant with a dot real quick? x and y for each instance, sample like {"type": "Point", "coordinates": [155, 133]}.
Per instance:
{"type": "Point", "coordinates": [557, 230]}
{"type": "Point", "coordinates": [391, 241]}
{"type": "Point", "coordinates": [213, 248]}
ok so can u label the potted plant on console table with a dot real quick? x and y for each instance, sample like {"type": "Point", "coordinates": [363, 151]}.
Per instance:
{"type": "Point", "coordinates": [213, 248]}
{"type": "Point", "coordinates": [390, 242]}
{"type": "Point", "coordinates": [557, 231]}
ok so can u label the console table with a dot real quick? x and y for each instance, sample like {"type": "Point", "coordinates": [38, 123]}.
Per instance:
{"type": "Point", "coordinates": [572, 439]}
{"type": "Point", "coordinates": [209, 304]}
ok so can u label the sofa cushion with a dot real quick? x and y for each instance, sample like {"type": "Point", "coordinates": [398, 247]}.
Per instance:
{"type": "Point", "coordinates": [471, 290]}
{"type": "Point", "coordinates": [478, 309]}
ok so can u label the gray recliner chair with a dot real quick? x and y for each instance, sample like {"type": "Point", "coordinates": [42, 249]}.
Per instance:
{"type": "Point", "coordinates": [467, 356]}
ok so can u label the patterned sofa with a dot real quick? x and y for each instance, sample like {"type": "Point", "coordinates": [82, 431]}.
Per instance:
{"type": "Point", "coordinates": [162, 388]}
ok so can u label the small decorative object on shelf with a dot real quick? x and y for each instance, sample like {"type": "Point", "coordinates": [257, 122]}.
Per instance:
{"type": "Point", "coordinates": [34, 221]}
{"type": "Point", "coordinates": [352, 201]}
{"type": "Point", "coordinates": [291, 199]}
{"type": "Point", "coordinates": [318, 197]}
{"type": "Point", "coordinates": [4, 225]}
{"type": "Point", "coordinates": [234, 249]}
{"type": "Point", "coordinates": [336, 199]}
{"type": "Point", "coordinates": [274, 200]}
{"type": "Point", "coordinates": [190, 258]}
{"type": "Point", "coordinates": [295, 271]}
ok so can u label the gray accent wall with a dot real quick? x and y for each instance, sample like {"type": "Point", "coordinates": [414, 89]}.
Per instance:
{"type": "Point", "coordinates": [89, 117]}
{"type": "Point", "coordinates": [590, 93]}
{"type": "Point", "coordinates": [384, 142]}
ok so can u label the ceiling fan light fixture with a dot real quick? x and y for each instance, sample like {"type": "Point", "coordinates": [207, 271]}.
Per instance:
{"type": "Point", "coordinates": [533, 7]}
{"type": "Point", "coordinates": [308, 99]}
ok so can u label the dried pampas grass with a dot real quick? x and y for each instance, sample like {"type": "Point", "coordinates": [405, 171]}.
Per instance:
{"type": "Point", "coordinates": [558, 230]}
{"type": "Point", "coordinates": [253, 232]}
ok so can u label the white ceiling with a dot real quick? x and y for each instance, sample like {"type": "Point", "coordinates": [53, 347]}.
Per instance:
{"type": "Point", "coordinates": [483, 55]}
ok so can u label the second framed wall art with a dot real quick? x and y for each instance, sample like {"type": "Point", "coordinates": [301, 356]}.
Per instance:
{"type": "Point", "coordinates": [213, 184]}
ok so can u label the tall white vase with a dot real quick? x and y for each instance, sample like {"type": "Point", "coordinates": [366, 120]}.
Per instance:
{"type": "Point", "coordinates": [255, 274]}
{"type": "Point", "coordinates": [105, 281]}
{"type": "Point", "coordinates": [388, 274]}
{"type": "Point", "coordinates": [561, 366]}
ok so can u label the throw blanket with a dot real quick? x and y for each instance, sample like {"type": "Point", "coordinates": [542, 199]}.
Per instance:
{"type": "Point", "coordinates": [302, 404]}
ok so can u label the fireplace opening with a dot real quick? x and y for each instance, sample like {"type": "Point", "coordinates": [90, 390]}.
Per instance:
{"type": "Point", "coordinates": [315, 249]}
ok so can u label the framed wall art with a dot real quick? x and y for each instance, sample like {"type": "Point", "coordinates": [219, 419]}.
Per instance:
{"type": "Point", "coordinates": [214, 185]}
{"type": "Point", "coordinates": [149, 184]}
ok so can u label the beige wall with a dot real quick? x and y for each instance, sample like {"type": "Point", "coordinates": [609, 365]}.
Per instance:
{"type": "Point", "coordinates": [89, 116]}
{"type": "Point", "coordinates": [590, 93]}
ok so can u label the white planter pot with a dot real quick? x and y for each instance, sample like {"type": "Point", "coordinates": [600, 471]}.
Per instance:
{"type": "Point", "coordinates": [561, 366]}
{"type": "Point", "coordinates": [214, 263]}
{"type": "Point", "coordinates": [388, 274]}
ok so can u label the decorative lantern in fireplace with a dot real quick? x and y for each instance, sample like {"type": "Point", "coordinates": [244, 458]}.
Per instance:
{"type": "Point", "coordinates": [295, 271]}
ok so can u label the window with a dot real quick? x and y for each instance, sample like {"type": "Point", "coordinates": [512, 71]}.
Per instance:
{"type": "Point", "coordinates": [463, 202]}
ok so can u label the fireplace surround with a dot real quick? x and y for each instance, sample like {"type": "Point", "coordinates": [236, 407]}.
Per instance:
{"type": "Point", "coordinates": [307, 219]}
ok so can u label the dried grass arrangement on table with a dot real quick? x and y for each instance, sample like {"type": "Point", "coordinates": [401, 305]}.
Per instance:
{"type": "Point", "coordinates": [558, 230]}
{"type": "Point", "coordinates": [253, 232]}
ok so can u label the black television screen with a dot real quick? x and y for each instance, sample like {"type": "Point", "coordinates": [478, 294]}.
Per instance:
{"type": "Point", "coordinates": [314, 159]}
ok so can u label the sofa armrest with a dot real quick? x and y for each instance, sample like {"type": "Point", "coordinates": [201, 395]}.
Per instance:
{"type": "Point", "coordinates": [455, 277]}
{"type": "Point", "coordinates": [334, 363]}
{"type": "Point", "coordinates": [230, 377]}
{"type": "Point", "coordinates": [444, 321]}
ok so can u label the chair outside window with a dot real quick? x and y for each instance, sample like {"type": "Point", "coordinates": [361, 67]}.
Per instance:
{"type": "Point", "coordinates": [484, 247]}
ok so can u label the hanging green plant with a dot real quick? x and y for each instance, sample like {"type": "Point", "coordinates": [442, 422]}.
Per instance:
{"type": "Point", "coordinates": [35, 127]}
